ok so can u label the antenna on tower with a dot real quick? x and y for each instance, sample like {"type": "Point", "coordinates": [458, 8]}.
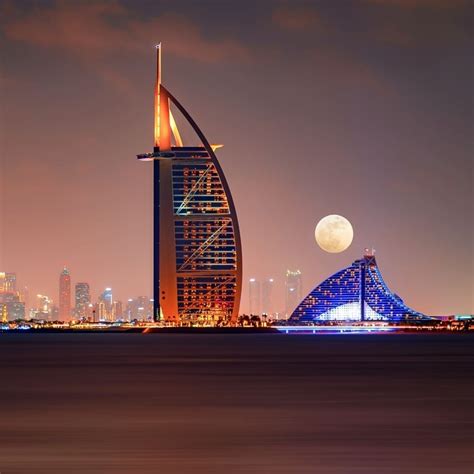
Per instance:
{"type": "Point", "coordinates": [162, 130]}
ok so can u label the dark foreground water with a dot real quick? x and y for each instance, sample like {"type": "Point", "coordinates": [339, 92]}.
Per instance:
{"type": "Point", "coordinates": [132, 403]}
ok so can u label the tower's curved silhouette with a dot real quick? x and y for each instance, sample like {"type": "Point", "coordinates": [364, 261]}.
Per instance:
{"type": "Point", "coordinates": [197, 249]}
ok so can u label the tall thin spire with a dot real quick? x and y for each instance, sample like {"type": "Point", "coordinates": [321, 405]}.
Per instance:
{"type": "Point", "coordinates": [162, 131]}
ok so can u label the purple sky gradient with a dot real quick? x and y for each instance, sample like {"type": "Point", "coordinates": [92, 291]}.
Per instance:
{"type": "Point", "coordinates": [363, 109]}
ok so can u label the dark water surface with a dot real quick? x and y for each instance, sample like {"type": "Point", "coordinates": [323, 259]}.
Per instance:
{"type": "Point", "coordinates": [167, 403]}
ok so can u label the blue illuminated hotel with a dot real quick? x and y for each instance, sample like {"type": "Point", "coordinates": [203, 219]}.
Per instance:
{"type": "Point", "coordinates": [357, 293]}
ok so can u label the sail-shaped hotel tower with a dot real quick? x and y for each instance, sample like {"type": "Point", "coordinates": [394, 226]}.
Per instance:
{"type": "Point", "coordinates": [197, 254]}
{"type": "Point", "coordinates": [356, 293]}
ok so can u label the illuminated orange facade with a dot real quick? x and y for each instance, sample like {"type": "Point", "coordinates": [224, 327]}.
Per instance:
{"type": "Point", "coordinates": [197, 250]}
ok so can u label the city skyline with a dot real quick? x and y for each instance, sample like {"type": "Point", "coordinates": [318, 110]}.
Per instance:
{"type": "Point", "coordinates": [386, 109]}
{"type": "Point", "coordinates": [67, 306]}
{"type": "Point", "coordinates": [84, 299]}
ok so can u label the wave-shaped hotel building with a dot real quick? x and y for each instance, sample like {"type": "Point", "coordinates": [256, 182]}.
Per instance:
{"type": "Point", "coordinates": [356, 293]}
{"type": "Point", "coordinates": [197, 258]}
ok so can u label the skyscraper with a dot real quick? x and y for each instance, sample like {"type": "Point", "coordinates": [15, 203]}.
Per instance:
{"type": "Point", "coordinates": [11, 308]}
{"type": "Point", "coordinates": [293, 290]}
{"type": "Point", "coordinates": [64, 295]}
{"type": "Point", "coordinates": [25, 296]}
{"type": "Point", "coordinates": [7, 282]}
{"type": "Point", "coordinates": [254, 296]}
{"type": "Point", "coordinates": [106, 305]}
{"type": "Point", "coordinates": [102, 313]}
{"type": "Point", "coordinates": [2, 282]}
{"type": "Point", "coordinates": [44, 309]}
{"type": "Point", "coordinates": [117, 311]}
{"type": "Point", "coordinates": [82, 299]}
{"type": "Point", "coordinates": [197, 262]}
{"type": "Point", "coordinates": [140, 308]}
{"type": "Point", "coordinates": [10, 282]}
{"type": "Point", "coordinates": [267, 291]}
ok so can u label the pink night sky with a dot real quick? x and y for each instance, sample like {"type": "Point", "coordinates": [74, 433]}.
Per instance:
{"type": "Point", "coordinates": [360, 108]}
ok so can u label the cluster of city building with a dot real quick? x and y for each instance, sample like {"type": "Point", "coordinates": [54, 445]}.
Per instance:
{"type": "Point", "coordinates": [17, 304]}
{"type": "Point", "coordinates": [356, 295]}
{"type": "Point", "coordinates": [261, 295]}
{"type": "Point", "coordinates": [197, 257]}
{"type": "Point", "coordinates": [12, 302]}
{"type": "Point", "coordinates": [74, 302]}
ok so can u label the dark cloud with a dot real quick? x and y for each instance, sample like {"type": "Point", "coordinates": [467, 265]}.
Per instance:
{"type": "Point", "coordinates": [92, 30]}
{"type": "Point", "coordinates": [449, 4]}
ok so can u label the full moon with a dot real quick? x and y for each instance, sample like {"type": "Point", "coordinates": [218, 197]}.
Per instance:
{"type": "Point", "coordinates": [334, 233]}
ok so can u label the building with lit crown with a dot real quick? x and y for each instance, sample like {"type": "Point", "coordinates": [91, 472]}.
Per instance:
{"type": "Point", "coordinates": [356, 293]}
{"type": "Point", "coordinates": [197, 257]}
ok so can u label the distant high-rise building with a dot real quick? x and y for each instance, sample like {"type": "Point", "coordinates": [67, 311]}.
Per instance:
{"type": "Point", "coordinates": [101, 312]}
{"type": "Point", "coordinates": [293, 286]}
{"type": "Point", "coordinates": [90, 311]}
{"type": "Point", "coordinates": [267, 291]}
{"type": "Point", "coordinates": [144, 307]}
{"type": "Point", "coordinates": [7, 282]}
{"type": "Point", "coordinates": [107, 298]}
{"type": "Point", "coordinates": [254, 296]}
{"type": "Point", "coordinates": [65, 295]}
{"type": "Point", "coordinates": [16, 310]}
{"type": "Point", "coordinates": [105, 308]}
{"type": "Point", "coordinates": [140, 308]}
{"type": "Point", "coordinates": [44, 309]}
{"type": "Point", "coordinates": [129, 312]}
{"type": "Point", "coordinates": [117, 311]}
{"type": "Point", "coordinates": [82, 299]}
{"type": "Point", "coordinates": [11, 308]}
{"type": "Point", "coordinates": [54, 313]}
{"type": "Point", "coordinates": [3, 282]}
{"type": "Point", "coordinates": [25, 296]}
{"type": "Point", "coordinates": [10, 282]}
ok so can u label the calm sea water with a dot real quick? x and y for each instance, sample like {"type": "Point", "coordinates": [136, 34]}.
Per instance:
{"type": "Point", "coordinates": [178, 404]}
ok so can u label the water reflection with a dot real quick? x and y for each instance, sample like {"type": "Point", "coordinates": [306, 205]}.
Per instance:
{"type": "Point", "coordinates": [178, 404]}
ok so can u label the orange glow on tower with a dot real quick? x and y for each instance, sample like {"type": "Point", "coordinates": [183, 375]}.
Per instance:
{"type": "Point", "coordinates": [162, 110]}
{"type": "Point", "coordinates": [198, 276]}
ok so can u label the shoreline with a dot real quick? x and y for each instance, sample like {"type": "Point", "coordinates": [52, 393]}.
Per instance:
{"type": "Point", "coordinates": [231, 330]}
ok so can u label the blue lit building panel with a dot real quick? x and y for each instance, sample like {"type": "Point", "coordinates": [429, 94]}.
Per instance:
{"type": "Point", "coordinates": [356, 293]}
